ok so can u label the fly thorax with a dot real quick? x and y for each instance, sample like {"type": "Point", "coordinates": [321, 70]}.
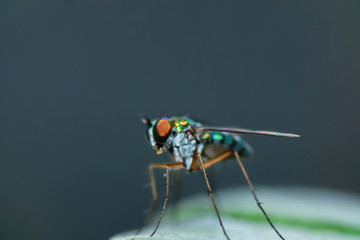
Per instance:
{"type": "Point", "coordinates": [186, 146]}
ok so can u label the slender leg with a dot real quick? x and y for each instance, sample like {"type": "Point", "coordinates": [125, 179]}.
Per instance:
{"type": "Point", "coordinates": [153, 201]}
{"type": "Point", "coordinates": [212, 180]}
{"type": "Point", "coordinates": [198, 155]}
{"type": "Point", "coordinates": [215, 159]}
{"type": "Point", "coordinates": [254, 194]}
{"type": "Point", "coordinates": [166, 199]}
{"type": "Point", "coordinates": [153, 188]}
{"type": "Point", "coordinates": [210, 171]}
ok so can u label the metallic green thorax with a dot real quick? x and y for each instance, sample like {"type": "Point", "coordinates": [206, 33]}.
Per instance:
{"type": "Point", "coordinates": [180, 124]}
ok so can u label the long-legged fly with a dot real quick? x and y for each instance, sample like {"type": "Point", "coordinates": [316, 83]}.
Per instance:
{"type": "Point", "coordinates": [194, 147]}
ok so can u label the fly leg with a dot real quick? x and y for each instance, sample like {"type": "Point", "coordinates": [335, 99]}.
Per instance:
{"type": "Point", "coordinates": [214, 160]}
{"type": "Point", "coordinates": [154, 192]}
{"type": "Point", "coordinates": [255, 196]}
{"type": "Point", "coordinates": [198, 156]}
{"type": "Point", "coordinates": [166, 199]}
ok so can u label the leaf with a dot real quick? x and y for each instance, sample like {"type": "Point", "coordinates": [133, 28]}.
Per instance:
{"type": "Point", "coordinates": [298, 213]}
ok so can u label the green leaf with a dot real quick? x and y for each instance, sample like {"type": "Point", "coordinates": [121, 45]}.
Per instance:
{"type": "Point", "coordinates": [298, 213]}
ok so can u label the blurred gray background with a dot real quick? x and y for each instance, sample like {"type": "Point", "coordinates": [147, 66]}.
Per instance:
{"type": "Point", "coordinates": [75, 75]}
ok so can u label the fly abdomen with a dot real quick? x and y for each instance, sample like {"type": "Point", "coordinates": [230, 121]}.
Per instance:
{"type": "Point", "coordinates": [242, 147]}
{"type": "Point", "coordinates": [229, 140]}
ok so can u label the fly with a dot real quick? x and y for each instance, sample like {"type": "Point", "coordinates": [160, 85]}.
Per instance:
{"type": "Point", "coordinates": [194, 147]}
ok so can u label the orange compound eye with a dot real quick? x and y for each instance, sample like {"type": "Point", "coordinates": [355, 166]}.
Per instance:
{"type": "Point", "coordinates": [163, 127]}
{"type": "Point", "coordinates": [162, 130]}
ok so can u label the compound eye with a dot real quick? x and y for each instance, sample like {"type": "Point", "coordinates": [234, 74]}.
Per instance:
{"type": "Point", "coordinates": [162, 130]}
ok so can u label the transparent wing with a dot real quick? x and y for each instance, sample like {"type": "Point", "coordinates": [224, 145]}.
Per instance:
{"type": "Point", "coordinates": [246, 131]}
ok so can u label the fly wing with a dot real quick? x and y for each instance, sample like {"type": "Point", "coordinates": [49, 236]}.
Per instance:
{"type": "Point", "coordinates": [246, 131]}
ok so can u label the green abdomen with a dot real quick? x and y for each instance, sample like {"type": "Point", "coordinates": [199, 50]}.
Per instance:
{"type": "Point", "coordinates": [228, 140]}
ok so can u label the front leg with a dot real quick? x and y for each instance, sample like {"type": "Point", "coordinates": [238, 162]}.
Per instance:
{"type": "Point", "coordinates": [154, 192]}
